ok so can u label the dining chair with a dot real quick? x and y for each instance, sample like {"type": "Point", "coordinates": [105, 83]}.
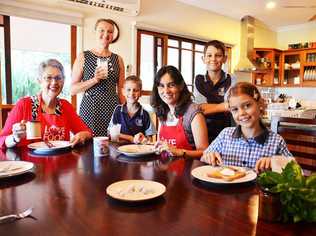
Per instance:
{"type": "Point", "coordinates": [300, 137]}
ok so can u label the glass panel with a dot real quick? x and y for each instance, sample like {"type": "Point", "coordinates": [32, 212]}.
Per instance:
{"type": "Point", "coordinates": [199, 65]}
{"type": "Point", "coordinates": [186, 45]}
{"type": "Point", "coordinates": [173, 57]}
{"type": "Point", "coordinates": [28, 52]}
{"type": "Point", "coordinates": [159, 42]}
{"type": "Point", "coordinates": [199, 47]}
{"type": "Point", "coordinates": [292, 66]}
{"type": "Point", "coordinates": [310, 57]}
{"type": "Point", "coordinates": [2, 68]}
{"type": "Point", "coordinates": [225, 67]}
{"type": "Point", "coordinates": [147, 61]}
{"type": "Point", "coordinates": [159, 58]}
{"type": "Point", "coordinates": [186, 66]}
{"type": "Point", "coordinates": [173, 43]}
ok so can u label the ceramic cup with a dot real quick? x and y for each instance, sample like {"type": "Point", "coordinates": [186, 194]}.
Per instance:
{"type": "Point", "coordinates": [101, 146]}
{"type": "Point", "coordinates": [33, 130]}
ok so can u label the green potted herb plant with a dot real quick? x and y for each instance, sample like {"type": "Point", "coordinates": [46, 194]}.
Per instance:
{"type": "Point", "coordinates": [296, 193]}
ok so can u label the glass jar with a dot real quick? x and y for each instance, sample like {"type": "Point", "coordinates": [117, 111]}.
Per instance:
{"type": "Point", "coordinates": [269, 206]}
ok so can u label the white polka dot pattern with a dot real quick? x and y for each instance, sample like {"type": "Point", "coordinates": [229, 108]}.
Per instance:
{"type": "Point", "coordinates": [99, 101]}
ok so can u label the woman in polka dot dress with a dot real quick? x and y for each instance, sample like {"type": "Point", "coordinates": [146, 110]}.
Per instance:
{"type": "Point", "coordinates": [98, 82]}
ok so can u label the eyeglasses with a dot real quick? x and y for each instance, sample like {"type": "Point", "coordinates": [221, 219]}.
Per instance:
{"type": "Point", "coordinates": [56, 78]}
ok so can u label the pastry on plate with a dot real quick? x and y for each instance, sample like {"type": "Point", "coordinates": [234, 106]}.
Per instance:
{"type": "Point", "coordinates": [228, 173]}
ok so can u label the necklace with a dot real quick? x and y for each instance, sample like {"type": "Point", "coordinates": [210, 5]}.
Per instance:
{"type": "Point", "coordinates": [171, 117]}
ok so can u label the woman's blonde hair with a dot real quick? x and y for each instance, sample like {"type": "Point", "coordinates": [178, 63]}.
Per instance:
{"type": "Point", "coordinates": [104, 20]}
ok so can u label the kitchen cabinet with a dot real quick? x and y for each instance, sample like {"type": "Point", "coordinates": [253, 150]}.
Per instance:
{"type": "Point", "coordinates": [289, 68]}
{"type": "Point", "coordinates": [268, 63]}
{"type": "Point", "coordinates": [309, 68]}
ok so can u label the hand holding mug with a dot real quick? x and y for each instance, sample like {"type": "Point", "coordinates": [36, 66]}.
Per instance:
{"type": "Point", "coordinates": [101, 71]}
{"type": "Point", "coordinates": [19, 130]}
{"type": "Point", "coordinates": [100, 74]}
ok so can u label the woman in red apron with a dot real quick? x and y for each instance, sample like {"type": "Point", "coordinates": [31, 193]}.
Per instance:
{"type": "Point", "coordinates": [56, 116]}
{"type": "Point", "coordinates": [182, 131]}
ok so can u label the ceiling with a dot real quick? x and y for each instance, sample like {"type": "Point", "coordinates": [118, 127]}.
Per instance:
{"type": "Point", "coordinates": [276, 18]}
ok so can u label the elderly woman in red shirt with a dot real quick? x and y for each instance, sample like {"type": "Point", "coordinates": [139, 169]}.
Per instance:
{"type": "Point", "coordinates": [57, 116]}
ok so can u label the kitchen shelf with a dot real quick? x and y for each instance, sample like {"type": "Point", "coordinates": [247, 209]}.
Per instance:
{"type": "Point", "coordinates": [268, 62]}
{"type": "Point", "coordinates": [280, 71]}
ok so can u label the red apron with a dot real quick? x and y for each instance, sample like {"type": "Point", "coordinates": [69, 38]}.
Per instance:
{"type": "Point", "coordinates": [53, 126]}
{"type": "Point", "coordinates": [175, 135]}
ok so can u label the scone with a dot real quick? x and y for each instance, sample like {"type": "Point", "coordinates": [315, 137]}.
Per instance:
{"type": "Point", "coordinates": [228, 173]}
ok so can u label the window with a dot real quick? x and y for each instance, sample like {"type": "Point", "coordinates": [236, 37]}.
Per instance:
{"type": "Point", "coordinates": [31, 42]}
{"type": "Point", "coordinates": [156, 49]}
{"type": "Point", "coordinates": [151, 54]}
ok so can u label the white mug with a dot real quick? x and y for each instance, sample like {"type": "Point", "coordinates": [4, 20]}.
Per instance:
{"type": "Point", "coordinates": [33, 130]}
{"type": "Point", "coordinates": [101, 146]}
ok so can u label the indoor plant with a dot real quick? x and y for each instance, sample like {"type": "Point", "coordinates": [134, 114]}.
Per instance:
{"type": "Point", "coordinates": [297, 192]}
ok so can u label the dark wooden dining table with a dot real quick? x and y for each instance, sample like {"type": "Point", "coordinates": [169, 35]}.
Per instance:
{"type": "Point", "coordinates": [68, 194]}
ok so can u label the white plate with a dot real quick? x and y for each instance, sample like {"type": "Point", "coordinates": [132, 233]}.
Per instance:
{"type": "Point", "coordinates": [202, 171]}
{"type": "Point", "coordinates": [136, 149]}
{"type": "Point", "coordinates": [12, 168]}
{"type": "Point", "coordinates": [42, 147]}
{"type": "Point", "coordinates": [135, 190]}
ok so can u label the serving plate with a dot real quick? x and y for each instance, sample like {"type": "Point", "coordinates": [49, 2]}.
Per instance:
{"type": "Point", "coordinates": [42, 148]}
{"type": "Point", "coordinates": [202, 171]}
{"type": "Point", "coordinates": [135, 190]}
{"type": "Point", "coordinates": [13, 168]}
{"type": "Point", "coordinates": [135, 150]}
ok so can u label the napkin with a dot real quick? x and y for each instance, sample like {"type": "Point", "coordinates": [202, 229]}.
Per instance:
{"type": "Point", "coordinates": [278, 163]}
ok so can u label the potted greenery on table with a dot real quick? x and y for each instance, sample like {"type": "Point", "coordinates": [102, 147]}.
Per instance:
{"type": "Point", "coordinates": [296, 192]}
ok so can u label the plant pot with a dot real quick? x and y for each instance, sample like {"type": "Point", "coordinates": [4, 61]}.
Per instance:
{"type": "Point", "coordinates": [269, 206]}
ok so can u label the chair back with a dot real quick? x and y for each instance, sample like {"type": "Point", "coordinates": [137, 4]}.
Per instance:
{"type": "Point", "coordinates": [300, 137]}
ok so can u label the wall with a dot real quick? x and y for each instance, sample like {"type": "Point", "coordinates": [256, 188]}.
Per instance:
{"type": "Point", "coordinates": [296, 34]}
{"type": "Point", "coordinates": [167, 16]}
{"type": "Point", "coordinates": [177, 18]}
{"type": "Point", "coordinates": [264, 37]}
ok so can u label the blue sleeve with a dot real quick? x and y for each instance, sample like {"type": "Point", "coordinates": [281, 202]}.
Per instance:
{"type": "Point", "coordinates": [149, 125]}
{"type": "Point", "coordinates": [217, 144]}
{"type": "Point", "coordinates": [283, 150]}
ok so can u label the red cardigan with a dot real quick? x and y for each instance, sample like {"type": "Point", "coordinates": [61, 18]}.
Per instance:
{"type": "Point", "coordinates": [54, 126]}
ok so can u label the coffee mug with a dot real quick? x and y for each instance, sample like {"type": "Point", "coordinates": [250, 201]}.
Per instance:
{"type": "Point", "coordinates": [33, 130]}
{"type": "Point", "coordinates": [101, 146]}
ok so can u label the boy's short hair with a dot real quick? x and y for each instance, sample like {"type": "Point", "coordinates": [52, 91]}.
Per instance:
{"type": "Point", "coordinates": [135, 79]}
{"type": "Point", "coordinates": [217, 44]}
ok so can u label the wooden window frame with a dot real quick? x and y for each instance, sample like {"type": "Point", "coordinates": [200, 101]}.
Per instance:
{"type": "Point", "coordinates": [7, 52]}
{"type": "Point", "coordinates": [165, 46]}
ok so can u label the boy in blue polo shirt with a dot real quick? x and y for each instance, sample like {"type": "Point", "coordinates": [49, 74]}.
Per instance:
{"type": "Point", "coordinates": [136, 124]}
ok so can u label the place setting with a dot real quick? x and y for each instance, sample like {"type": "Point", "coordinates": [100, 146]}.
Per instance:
{"type": "Point", "coordinates": [135, 192]}
{"type": "Point", "coordinates": [14, 168]}
{"type": "Point", "coordinates": [223, 176]}
{"type": "Point", "coordinates": [50, 147]}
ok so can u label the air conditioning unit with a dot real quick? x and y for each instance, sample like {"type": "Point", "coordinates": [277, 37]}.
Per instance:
{"type": "Point", "coordinates": [126, 7]}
